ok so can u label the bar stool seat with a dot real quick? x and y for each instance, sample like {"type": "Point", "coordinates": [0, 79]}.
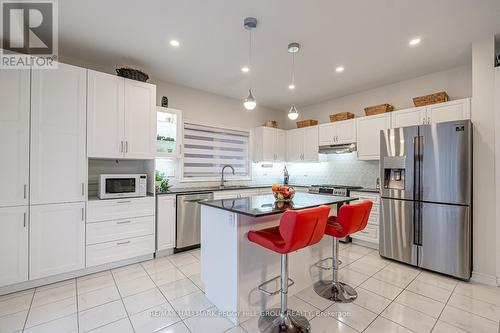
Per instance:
{"type": "Point", "coordinates": [297, 229]}
{"type": "Point", "coordinates": [351, 218]}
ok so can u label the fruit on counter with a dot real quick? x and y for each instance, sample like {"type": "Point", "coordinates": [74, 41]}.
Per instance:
{"type": "Point", "coordinates": [282, 192]}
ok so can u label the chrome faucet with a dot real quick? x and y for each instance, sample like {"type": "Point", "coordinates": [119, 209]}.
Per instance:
{"type": "Point", "coordinates": [222, 181]}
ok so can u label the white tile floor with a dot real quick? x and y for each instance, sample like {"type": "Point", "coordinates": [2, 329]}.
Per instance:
{"type": "Point", "coordinates": [166, 295]}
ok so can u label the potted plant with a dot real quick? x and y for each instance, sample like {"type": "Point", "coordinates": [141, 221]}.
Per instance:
{"type": "Point", "coordinates": [161, 182]}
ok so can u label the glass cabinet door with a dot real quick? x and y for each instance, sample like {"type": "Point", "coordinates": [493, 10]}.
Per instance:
{"type": "Point", "coordinates": [168, 132]}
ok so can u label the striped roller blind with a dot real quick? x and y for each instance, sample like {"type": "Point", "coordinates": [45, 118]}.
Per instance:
{"type": "Point", "coordinates": [207, 149]}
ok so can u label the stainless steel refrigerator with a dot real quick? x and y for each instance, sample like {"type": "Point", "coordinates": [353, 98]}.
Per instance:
{"type": "Point", "coordinates": [426, 193]}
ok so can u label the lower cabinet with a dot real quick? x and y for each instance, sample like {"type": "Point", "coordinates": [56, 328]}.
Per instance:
{"type": "Point", "coordinates": [13, 245]}
{"type": "Point", "coordinates": [57, 239]}
{"type": "Point", "coordinates": [371, 232]}
{"type": "Point", "coordinates": [165, 222]}
{"type": "Point", "coordinates": [120, 229]}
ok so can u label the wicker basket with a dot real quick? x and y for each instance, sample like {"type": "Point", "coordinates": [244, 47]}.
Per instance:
{"type": "Point", "coordinates": [439, 97]}
{"type": "Point", "coordinates": [341, 116]}
{"type": "Point", "coordinates": [271, 123]}
{"type": "Point", "coordinates": [133, 74]}
{"type": "Point", "coordinates": [377, 109]}
{"type": "Point", "coordinates": [306, 123]}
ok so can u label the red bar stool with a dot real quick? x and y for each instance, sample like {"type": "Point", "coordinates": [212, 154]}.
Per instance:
{"type": "Point", "coordinates": [351, 218]}
{"type": "Point", "coordinates": [297, 229]}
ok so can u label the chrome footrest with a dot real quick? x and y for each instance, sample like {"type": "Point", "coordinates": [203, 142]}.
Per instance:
{"type": "Point", "coordinates": [272, 293]}
{"type": "Point", "coordinates": [320, 265]}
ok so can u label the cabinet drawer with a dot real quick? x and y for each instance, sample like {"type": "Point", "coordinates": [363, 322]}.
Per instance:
{"type": "Point", "coordinates": [103, 253]}
{"type": "Point", "coordinates": [103, 210]}
{"type": "Point", "coordinates": [375, 209]}
{"type": "Point", "coordinates": [369, 233]}
{"type": "Point", "coordinates": [100, 232]}
{"type": "Point", "coordinates": [373, 219]}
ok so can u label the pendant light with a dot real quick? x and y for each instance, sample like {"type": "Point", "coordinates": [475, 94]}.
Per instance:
{"type": "Point", "coordinates": [293, 48]}
{"type": "Point", "coordinates": [250, 23]}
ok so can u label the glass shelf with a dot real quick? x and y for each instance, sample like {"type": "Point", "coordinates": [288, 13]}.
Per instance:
{"type": "Point", "coordinates": [168, 124]}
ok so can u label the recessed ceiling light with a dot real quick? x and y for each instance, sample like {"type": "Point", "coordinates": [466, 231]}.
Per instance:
{"type": "Point", "coordinates": [339, 69]}
{"type": "Point", "coordinates": [414, 41]}
{"type": "Point", "coordinates": [291, 86]}
{"type": "Point", "coordinates": [245, 69]}
{"type": "Point", "coordinates": [174, 43]}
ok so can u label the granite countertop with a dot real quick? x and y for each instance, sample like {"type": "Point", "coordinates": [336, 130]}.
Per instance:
{"type": "Point", "coordinates": [262, 205]}
{"type": "Point", "coordinates": [179, 190]}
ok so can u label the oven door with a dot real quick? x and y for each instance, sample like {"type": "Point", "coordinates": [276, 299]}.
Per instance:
{"type": "Point", "coordinates": [119, 186]}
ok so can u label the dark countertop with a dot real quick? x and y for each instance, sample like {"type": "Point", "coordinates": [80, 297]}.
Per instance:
{"type": "Point", "coordinates": [179, 190]}
{"type": "Point", "coordinates": [262, 205]}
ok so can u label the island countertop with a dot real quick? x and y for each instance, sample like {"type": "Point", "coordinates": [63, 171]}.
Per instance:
{"type": "Point", "coordinates": [262, 205]}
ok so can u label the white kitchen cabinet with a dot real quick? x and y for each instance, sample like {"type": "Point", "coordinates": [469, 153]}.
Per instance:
{"type": "Point", "coordinates": [449, 111]}
{"type": "Point", "coordinates": [14, 137]}
{"type": "Point", "coordinates": [169, 131]}
{"type": "Point", "coordinates": [432, 114]}
{"type": "Point", "coordinates": [339, 132]}
{"type": "Point", "coordinates": [165, 222]}
{"type": "Point", "coordinates": [302, 144]}
{"type": "Point", "coordinates": [57, 239]}
{"type": "Point", "coordinates": [58, 118]}
{"type": "Point", "coordinates": [269, 144]}
{"type": "Point", "coordinates": [121, 117]}
{"type": "Point", "coordinates": [368, 135]}
{"type": "Point", "coordinates": [371, 232]}
{"type": "Point", "coordinates": [408, 117]}
{"type": "Point", "coordinates": [140, 120]}
{"type": "Point", "coordinates": [13, 245]}
{"type": "Point", "coordinates": [105, 115]}
{"type": "Point", "coordinates": [115, 209]}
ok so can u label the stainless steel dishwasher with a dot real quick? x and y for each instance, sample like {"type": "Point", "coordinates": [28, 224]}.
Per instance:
{"type": "Point", "coordinates": [189, 219]}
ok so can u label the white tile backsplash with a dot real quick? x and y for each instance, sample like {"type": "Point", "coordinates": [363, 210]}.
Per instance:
{"type": "Point", "coordinates": [343, 169]}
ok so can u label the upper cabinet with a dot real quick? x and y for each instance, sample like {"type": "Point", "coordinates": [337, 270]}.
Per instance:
{"type": "Point", "coordinates": [168, 132]}
{"type": "Point", "coordinates": [269, 144]}
{"type": "Point", "coordinates": [14, 136]}
{"type": "Point", "coordinates": [302, 144]}
{"type": "Point", "coordinates": [58, 157]}
{"type": "Point", "coordinates": [432, 114]}
{"type": "Point", "coordinates": [121, 117]}
{"type": "Point", "coordinates": [339, 132]}
{"type": "Point", "coordinates": [368, 135]}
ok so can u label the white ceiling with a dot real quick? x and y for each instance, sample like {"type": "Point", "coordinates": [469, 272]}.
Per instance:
{"type": "Point", "coordinates": [369, 38]}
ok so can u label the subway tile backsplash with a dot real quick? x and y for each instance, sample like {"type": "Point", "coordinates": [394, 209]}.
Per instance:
{"type": "Point", "coordinates": [341, 169]}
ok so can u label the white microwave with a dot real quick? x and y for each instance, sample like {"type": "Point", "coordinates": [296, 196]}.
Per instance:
{"type": "Point", "coordinates": [113, 186]}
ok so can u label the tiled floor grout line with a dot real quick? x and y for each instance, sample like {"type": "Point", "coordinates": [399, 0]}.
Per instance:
{"type": "Point", "coordinates": [121, 299]}
{"type": "Point", "coordinates": [28, 312]}
{"type": "Point", "coordinates": [181, 319]}
{"type": "Point", "coordinates": [444, 307]}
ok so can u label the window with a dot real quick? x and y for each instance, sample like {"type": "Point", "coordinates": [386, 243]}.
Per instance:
{"type": "Point", "coordinates": [207, 149]}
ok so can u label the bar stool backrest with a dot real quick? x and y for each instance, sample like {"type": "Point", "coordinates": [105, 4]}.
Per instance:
{"type": "Point", "coordinates": [354, 217]}
{"type": "Point", "coordinates": [302, 228]}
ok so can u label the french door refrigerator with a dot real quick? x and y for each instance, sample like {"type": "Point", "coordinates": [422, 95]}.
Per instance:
{"type": "Point", "coordinates": [426, 196]}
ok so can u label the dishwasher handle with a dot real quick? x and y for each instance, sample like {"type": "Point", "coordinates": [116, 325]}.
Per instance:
{"type": "Point", "coordinates": [196, 200]}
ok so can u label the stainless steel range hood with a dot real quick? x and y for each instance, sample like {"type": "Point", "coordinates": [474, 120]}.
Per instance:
{"type": "Point", "coordinates": [337, 149]}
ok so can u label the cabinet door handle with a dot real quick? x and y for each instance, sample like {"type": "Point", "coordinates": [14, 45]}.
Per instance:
{"type": "Point", "coordinates": [83, 214]}
{"type": "Point", "coordinates": [122, 243]}
{"type": "Point", "coordinates": [122, 222]}
{"type": "Point", "coordinates": [126, 146]}
{"type": "Point", "coordinates": [25, 191]}
{"type": "Point", "coordinates": [122, 202]}
{"type": "Point", "coordinates": [121, 146]}
{"type": "Point", "coordinates": [423, 121]}
{"type": "Point", "coordinates": [83, 189]}
{"type": "Point", "coordinates": [180, 149]}
{"type": "Point", "coordinates": [24, 220]}
{"type": "Point", "coordinates": [429, 120]}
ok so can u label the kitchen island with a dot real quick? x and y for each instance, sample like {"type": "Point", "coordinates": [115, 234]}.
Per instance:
{"type": "Point", "coordinates": [232, 267]}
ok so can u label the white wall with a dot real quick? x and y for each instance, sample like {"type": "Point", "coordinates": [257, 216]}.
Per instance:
{"type": "Point", "coordinates": [484, 212]}
{"type": "Point", "coordinates": [497, 166]}
{"type": "Point", "coordinates": [457, 82]}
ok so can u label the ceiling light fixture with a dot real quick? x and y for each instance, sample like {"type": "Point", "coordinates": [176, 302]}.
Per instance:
{"type": "Point", "coordinates": [414, 41]}
{"type": "Point", "coordinates": [293, 113]}
{"type": "Point", "coordinates": [174, 43]}
{"type": "Point", "coordinates": [339, 69]}
{"type": "Point", "coordinates": [250, 23]}
{"type": "Point", "coordinates": [293, 48]}
{"type": "Point", "coordinates": [245, 69]}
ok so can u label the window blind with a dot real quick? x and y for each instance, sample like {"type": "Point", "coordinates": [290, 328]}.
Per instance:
{"type": "Point", "coordinates": [207, 149]}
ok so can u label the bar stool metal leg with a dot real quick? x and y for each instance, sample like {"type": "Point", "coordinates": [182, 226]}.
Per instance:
{"type": "Point", "coordinates": [335, 290]}
{"type": "Point", "coordinates": [282, 319]}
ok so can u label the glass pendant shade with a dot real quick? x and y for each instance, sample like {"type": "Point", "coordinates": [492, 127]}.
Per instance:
{"type": "Point", "coordinates": [250, 103]}
{"type": "Point", "coordinates": [293, 113]}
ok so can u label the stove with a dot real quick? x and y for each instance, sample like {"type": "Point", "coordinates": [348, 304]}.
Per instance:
{"type": "Point", "coordinates": [339, 190]}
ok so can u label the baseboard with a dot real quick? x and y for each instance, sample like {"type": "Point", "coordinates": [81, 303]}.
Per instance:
{"type": "Point", "coordinates": [487, 279]}
{"type": "Point", "coordinates": [164, 253]}
{"type": "Point", "coordinates": [70, 275]}
{"type": "Point", "coordinates": [371, 245]}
